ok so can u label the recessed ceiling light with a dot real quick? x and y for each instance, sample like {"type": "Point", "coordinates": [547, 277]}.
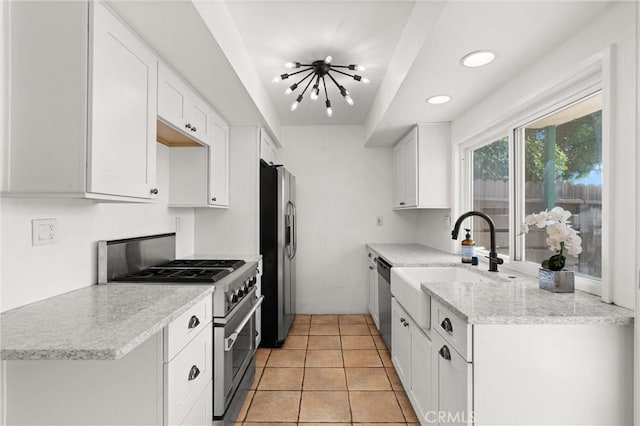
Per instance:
{"type": "Point", "coordinates": [439, 99]}
{"type": "Point", "coordinates": [478, 58]}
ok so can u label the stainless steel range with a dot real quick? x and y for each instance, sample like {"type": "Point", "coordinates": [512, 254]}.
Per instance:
{"type": "Point", "coordinates": [151, 260]}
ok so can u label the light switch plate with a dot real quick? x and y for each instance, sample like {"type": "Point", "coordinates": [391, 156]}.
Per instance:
{"type": "Point", "coordinates": [44, 232]}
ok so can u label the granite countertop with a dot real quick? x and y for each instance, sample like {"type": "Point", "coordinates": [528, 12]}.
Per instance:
{"type": "Point", "coordinates": [521, 301]}
{"type": "Point", "coordinates": [413, 255]}
{"type": "Point", "coordinates": [510, 298]}
{"type": "Point", "coordinates": [99, 322]}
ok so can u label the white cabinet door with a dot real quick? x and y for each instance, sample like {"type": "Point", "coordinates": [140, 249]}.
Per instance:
{"type": "Point", "coordinates": [400, 169]}
{"type": "Point", "coordinates": [173, 99]}
{"type": "Point", "coordinates": [411, 164]}
{"type": "Point", "coordinates": [422, 385]}
{"type": "Point", "coordinates": [219, 163]}
{"type": "Point", "coordinates": [199, 117]}
{"type": "Point", "coordinates": [401, 343]}
{"type": "Point", "coordinates": [123, 102]}
{"type": "Point", "coordinates": [453, 376]}
{"type": "Point", "coordinates": [267, 148]}
{"type": "Point", "coordinates": [373, 294]}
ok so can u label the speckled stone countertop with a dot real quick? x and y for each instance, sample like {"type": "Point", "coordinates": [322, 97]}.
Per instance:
{"type": "Point", "coordinates": [413, 255]}
{"type": "Point", "coordinates": [99, 322]}
{"type": "Point", "coordinates": [521, 301]}
{"type": "Point", "coordinates": [511, 298]}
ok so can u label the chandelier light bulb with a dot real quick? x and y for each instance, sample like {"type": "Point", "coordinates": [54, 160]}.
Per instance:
{"type": "Point", "coordinates": [276, 79]}
{"type": "Point", "coordinates": [292, 65]}
{"type": "Point", "coordinates": [349, 100]}
{"type": "Point", "coordinates": [295, 105]}
{"type": "Point", "coordinates": [314, 93]}
{"type": "Point", "coordinates": [365, 80]}
{"type": "Point", "coordinates": [360, 68]}
{"type": "Point", "coordinates": [329, 110]}
{"type": "Point", "coordinates": [328, 60]}
{"type": "Point", "coordinates": [291, 88]}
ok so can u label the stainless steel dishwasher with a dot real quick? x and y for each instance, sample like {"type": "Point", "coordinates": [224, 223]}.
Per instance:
{"type": "Point", "coordinates": [384, 300]}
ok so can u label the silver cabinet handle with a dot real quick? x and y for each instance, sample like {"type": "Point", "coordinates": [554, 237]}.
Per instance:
{"type": "Point", "coordinates": [194, 322]}
{"type": "Point", "coordinates": [445, 353]}
{"type": "Point", "coordinates": [446, 325]}
{"type": "Point", "coordinates": [194, 372]}
{"type": "Point", "coordinates": [402, 203]}
{"type": "Point", "coordinates": [214, 199]}
{"type": "Point", "coordinates": [154, 191]}
{"type": "Point", "coordinates": [231, 340]}
{"type": "Point", "coordinates": [193, 129]}
{"type": "Point", "coordinates": [188, 125]}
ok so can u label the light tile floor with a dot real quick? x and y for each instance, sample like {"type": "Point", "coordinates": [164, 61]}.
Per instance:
{"type": "Point", "coordinates": [332, 369]}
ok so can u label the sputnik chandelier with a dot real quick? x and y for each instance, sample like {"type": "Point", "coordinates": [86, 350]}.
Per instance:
{"type": "Point", "coordinates": [318, 72]}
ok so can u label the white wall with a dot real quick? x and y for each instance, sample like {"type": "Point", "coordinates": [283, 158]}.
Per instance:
{"type": "Point", "coordinates": [235, 230]}
{"type": "Point", "coordinates": [32, 273]}
{"type": "Point", "coordinates": [615, 27]}
{"type": "Point", "coordinates": [341, 188]}
{"type": "Point", "coordinates": [433, 230]}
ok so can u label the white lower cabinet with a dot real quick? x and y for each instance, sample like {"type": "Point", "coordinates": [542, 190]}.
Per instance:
{"type": "Point", "coordinates": [456, 373]}
{"type": "Point", "coordinates": [413, 357]}
{"type": "Point", "coordinates": [373, 288]}
{"type": "Point", "coordinates": [167, 380]}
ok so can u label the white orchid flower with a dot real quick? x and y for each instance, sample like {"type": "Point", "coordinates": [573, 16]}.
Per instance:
{"type": "Point", "coordinates": [559, 214]}
{"type": "Point", "coordinates": [574, 250]}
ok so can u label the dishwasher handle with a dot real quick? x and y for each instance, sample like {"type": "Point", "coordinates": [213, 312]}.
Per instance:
{"type": "Point", "coordinates": [384, 269]}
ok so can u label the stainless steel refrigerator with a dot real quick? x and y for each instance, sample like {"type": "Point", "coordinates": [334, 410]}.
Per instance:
{"type": "Point", "coordinates": [278, 245]}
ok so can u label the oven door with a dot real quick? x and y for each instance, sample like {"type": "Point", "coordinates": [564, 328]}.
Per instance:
{"type": "Point", "coordinates": [234, 349]}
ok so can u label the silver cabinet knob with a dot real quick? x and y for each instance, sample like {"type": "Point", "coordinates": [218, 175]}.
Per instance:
{"type": "Point", "coordinates": [188, 125]}
{"type": "Point", "coordinates": [193, 129]}
{"type": "Point", "coordinates": [154, 191]}
{"type": "Point", "coordinates": [214, 199]}
{"type": "Point", "coordinates": [445, 353]}
{"type": "Point", "coordinates": [446, 325]}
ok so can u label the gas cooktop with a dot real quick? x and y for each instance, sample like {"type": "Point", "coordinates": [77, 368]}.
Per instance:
{"type": "Point", "coordinates": [185, 271]}
{"type": "Point", "coordinates": [203, 263]}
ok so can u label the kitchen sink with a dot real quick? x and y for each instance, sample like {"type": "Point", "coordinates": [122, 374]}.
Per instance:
{"type": "Point", "coordinates": [405, 287]}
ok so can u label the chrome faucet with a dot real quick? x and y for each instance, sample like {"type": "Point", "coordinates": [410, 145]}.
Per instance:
{"type": "Point", "coordinates": [494, 260]}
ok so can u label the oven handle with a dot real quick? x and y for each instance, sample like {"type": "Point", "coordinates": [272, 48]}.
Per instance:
{"type": "Point", "coordinates": [231, 340]}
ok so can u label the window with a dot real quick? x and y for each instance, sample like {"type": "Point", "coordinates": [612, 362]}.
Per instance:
{"type": "Point", "coordinates": [555, 159]}
{"type": "Point", "coordinates": [490, 193]}
{"type": "Point", "coordinates": [563, 167]}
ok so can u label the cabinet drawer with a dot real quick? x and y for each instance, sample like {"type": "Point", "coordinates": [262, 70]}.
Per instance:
{"type": "Point", "coordinates": [202, 411]}
{"type": "Point", "coordinates": [186, 326]}
{"type": "Point", "coordinates": [187, 375]}
{"type": "Point", "coordinates": [453, 329]}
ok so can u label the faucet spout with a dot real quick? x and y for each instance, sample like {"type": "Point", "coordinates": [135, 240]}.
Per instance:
{"type": "Point", "coordinates": [494, 260]}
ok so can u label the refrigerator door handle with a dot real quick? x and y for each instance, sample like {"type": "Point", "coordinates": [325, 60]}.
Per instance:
{"type": "Point", "coordinates": [295, 230]}
{"type": "Point", "coordinates": [290, 230]}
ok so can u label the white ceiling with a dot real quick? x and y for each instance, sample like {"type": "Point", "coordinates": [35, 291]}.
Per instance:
{"type": "Point", "coordinates": [270, 33]}
{"type": "Point", "coordinates": [520, 31]}
{"type": "Point", "coordinates": [360, 32]}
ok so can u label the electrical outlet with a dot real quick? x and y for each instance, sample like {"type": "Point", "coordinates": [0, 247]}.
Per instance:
{"type": "Point", "coordinates": [379, 221]}
{"type": "Point", "coordinates": [44, 232]}
{"type": "Point", "coordinates": [178, 223]}
{"type": "Point", "coordinates": [447, 222]}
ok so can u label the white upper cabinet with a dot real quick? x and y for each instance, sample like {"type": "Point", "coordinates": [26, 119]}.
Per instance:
{"type": "Point", "coordinates": [83, 104]}
{"type": "Point", "coordinates": [268, 150]}
{"type": "Point", "coordinates": [422, 167]}
{"type": "Point", "coordinates": [219, 163]}
{"type": "Point", "coordinates": [180, 106]}
{"type": "Point", "coordinates": [200, 173]}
